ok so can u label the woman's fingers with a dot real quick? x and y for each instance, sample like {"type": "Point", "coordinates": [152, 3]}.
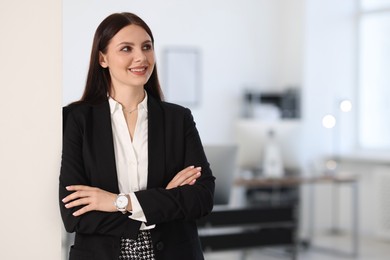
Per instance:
{"type": "Point", "coordinates": [80, 191]}
{"type": "Point", "coordinates": [79, 187]}
{"type": "Point", "coordinates": [186, 174]}
{"type": "Point", "coordinates": [88, 202]}
{"type": "Point", "coordinates": [78, 202]}
{"type": "Point", "coordinates": [82, 211]}
{"type": "Point", "coordinates": [93, 199]}
{"type": "Point", "coordinates": [190, 179]}
{"type": "Point", "coordinates": [183, 172]}
{"type": "Point", "coordinates": [184, 177]}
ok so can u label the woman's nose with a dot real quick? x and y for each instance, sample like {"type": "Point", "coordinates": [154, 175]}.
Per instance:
{"type": "Point", "coordinates": [139, 55]}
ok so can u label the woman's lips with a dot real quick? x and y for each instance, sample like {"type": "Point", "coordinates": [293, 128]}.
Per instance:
{"type": "Point", "coordinates": [139, 70]}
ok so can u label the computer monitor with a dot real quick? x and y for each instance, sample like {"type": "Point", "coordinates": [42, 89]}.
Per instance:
{"type": "Point", "coordinates": [222, 159]}
{"type": "Point", "coordinates": [252, 136]}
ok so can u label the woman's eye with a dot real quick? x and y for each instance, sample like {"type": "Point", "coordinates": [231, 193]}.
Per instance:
{"type": "Point", "coordinates": [147, 47]}
{"type": "Point", "coordinates": [126, 49]}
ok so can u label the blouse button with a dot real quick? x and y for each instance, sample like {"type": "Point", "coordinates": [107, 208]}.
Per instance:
{"type": "Point", "coordinates": [160, 246]}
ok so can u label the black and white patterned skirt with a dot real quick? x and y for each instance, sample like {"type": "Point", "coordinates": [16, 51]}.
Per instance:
{"type": "Point", "coordinates": [140, 249]}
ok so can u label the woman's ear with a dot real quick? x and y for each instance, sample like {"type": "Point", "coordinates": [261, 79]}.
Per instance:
{"type": "Point", "coordinates": [102, 60]}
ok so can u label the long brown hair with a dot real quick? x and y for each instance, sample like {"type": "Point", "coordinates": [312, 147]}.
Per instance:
{"type": "Point", "coordinates": [98, 82]}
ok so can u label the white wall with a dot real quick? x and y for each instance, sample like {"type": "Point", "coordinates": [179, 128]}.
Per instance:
{"type": "Point", "coordinates": [247, 43]}
{"type": "Point", "coordinates": [30, 139]}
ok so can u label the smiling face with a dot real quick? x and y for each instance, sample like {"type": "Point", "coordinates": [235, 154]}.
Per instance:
{"type": "Point", "coordinates": [129, 57]}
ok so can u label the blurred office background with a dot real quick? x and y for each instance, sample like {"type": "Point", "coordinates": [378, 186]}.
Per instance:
{"type": "Point", "coordinates": [280, 66]}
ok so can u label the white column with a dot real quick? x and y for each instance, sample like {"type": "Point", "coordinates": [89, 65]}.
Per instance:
{"type": "Point", "coordinates": [30, 128]}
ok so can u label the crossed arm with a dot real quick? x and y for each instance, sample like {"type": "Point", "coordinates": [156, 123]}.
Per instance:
{"type": "Point", "coordinates": [96, 199]}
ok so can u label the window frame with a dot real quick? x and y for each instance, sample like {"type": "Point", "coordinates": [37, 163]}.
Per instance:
{"type": "Point", "coordinates": [362, 14]}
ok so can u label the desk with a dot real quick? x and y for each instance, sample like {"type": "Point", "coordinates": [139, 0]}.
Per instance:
{"type": "Point", "coordinates": [250, 226]}
{"type": "Point", "coordinates": [293, 181]}
{"type": "Point", "coordinates": [228, 228]}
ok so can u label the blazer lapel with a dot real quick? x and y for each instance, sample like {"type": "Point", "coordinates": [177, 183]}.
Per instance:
{"type": "Point", "coordinates": [104, 147]}
{"type": "Point", "coordinates": [156, 143]}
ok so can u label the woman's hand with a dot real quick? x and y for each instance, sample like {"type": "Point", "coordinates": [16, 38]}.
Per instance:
{"type": "Point", "coordinates": [184, 177]}
{"type": "Point", "coordinates": [93, 199]}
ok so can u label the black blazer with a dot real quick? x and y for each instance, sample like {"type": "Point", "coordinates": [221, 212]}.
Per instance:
{"type": "Point", "coordinates": [88, 158]}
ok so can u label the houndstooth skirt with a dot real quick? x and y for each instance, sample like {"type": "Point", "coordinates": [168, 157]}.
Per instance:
{"type": "Point", "coordinates": [140, 249]}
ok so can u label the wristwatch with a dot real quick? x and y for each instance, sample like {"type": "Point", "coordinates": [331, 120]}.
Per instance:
{"type": "Point", "coordinates": [121, 202]}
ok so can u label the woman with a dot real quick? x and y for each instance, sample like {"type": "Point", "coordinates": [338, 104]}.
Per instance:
{"type": "Point", "coordinates": [134, 176]}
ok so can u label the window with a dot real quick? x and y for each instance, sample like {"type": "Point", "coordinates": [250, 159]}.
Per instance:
{"type": "Point", "coordinates": [368, 5]}
{"type": "Point", "coordinates": [374, 74]}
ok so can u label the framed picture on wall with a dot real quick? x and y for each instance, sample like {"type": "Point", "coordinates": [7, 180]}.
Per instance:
{"type": "Point", "coordinates": [182, 75]}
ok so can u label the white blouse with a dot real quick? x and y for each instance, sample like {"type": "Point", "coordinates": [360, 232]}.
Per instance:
{"type": "Point", "coordinates": [131, 156]}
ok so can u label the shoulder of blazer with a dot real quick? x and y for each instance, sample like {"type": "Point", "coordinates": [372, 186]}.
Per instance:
{"type": "Point", "coordinates": [77, 107]}
{"type": "Point", "coordinates": [81, 110]}
{"type": "Point", "coordinates": [166, 110]}
{"type": "Point", "coordinates": [171, 108]}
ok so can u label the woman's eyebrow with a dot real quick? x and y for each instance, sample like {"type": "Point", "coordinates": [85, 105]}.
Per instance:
{"type": "Point", "coordinates": [125, 43]}
{"type": "Point", "coordinates": [132, 44]}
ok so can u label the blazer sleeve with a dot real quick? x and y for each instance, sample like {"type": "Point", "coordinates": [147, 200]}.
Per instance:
{"type": "Point", "coordinates": [73, 172]}
{"type": "Point", "coordinates": [188, 202]}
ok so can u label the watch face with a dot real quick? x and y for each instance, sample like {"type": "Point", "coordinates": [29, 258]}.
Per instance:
{"type": "Point", "coordinates": [121, 201]}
